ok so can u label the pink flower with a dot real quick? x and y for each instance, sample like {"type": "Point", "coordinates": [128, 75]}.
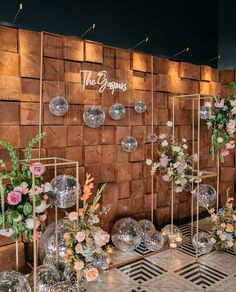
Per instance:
{"type": "Point", "coordinates": [89, 241]}
{"type": "Point", "coordinates": [37, 235]}
{"type": "Point", "coordinates": [231, 126]}
{"type": "Point", "coordinates": [24, 187]}
{"type": "Point", "coordinates": [80, 236]}
{"type": "Point", "coordinates": [222, 225]}
{"type": "Point", "coordinates": [37, 168]}
{"type": "Point", "coordinates": [178, 190]}
{"type": "Point", "coordinates": [162, 136]}
{"type": "Point", "coordinates": [101, 237]}
{"type": "Point", "coordinates": [13, 198]}
{"type": "Point", "coordinates": [224, 152]}
{"type": "Point", "coordinates": [183, 181]}
{"type": "Point", "coordinates": [96, 219]}
{"type": "Point", "coordinates": [222, 237]}
{"type": "Point", "coordinates": [166, 177]}
{"type": "Point", "coordinates": [6, 232]}
{"type": "Point", "coordinates": [91, 274]}
{"type": "Point", "coordinates": [79, 265]}
{"type": "Point", "coordinates": [220, 104]}
{"type": "Point", "coordinates": [79, 248]}
{"type": "Point", "coordinates": [73, 216]}
{"type": "Point", "coordinates": [219, 232]}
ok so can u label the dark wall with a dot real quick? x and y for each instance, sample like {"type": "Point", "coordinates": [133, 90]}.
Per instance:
{"type": "Point", "coordinates": [171, 25]}
{"type": "Point", "coordinates": [227, 34]}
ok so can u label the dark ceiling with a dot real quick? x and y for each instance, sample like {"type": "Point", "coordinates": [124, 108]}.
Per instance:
{"type": "Point", "coordinates": [170, 25]}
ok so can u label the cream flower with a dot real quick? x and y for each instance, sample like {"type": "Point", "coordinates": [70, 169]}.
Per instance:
{"type": "Point", "coordinates": [164, 143]}
{"type": "Point", "coordinates": [73, 216]}
{"type": "Point", "coordinates": [42, 207]}
{"type": "Point", "coordinates": [169, 124]}
{"type": "Point", "coordinates": [213, 240]}
{"type": "Point", "coordinates": [29, 222]}
{"type": "Point", "coordinates": [208, 104]}
{"type": "Point", "coordinates": [80, 236]}
{"type": "Point", "coordinates": [229, 227]}
{"type": "Point", "coordinates": [79, 265]}
{"type": "Point", "coordinates": [79, 248]}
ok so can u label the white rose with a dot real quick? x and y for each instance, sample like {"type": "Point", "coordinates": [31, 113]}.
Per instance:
{"type": "Point", "coordinates": [42, 207]}
{"type": "Point", "coordinates": [169, 124]}
{"type": "Point", "coordinates": [213, 240]}
{"type": "Point", "coordinates": [184, 140]}
{"type": "Point", "coordinates": [47, 187]}
{"type": "Point", "coordinates": [176, 164]}
{"type": "Point", "coordinates": [164, 143]}
{"type": "Point", "coordinates": [29, 222]}
{"type": "Point", "coordinates": [220, 140]}
{"type": "Point", "coordinates": [233, 102]}
{"type": "Point", "coordinates": [185, 146]}
{"type": "Point", "coordinates": [208, 104]}
{"type": "Point", "coordinates": [176, 148]}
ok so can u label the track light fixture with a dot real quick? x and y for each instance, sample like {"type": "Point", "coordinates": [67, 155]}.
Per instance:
{"type": "Point", "coordinates": [90, 28]}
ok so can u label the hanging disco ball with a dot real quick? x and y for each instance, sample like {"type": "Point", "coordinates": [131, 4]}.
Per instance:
{"type": "Point", "coordinates": [12, 281]}
{"type": "Point", "coordinates": [63, 191]}
{"type": "Point", "coordinates": [152, 137]}
{"type": "Point", "coordinates": [94, 116]}
{"type": "Point", "coordinates": [63, 287]}
{"type": "Point", "coordinates": [117, 111]}
{"type": "Point", "coordinates": [58, 106]}
{"type": "Point", "coordinates": [166, 232]}
{"type": "Point", "coordinates": [146, 226]}
{"type": "Point", "coordinates": [205, 112]}
{"type": "Point", "coordinates": [126, 234]}
{"type": "Point", "coordinates": [204, 243]}
{"type": "Point", "coordinates": [154, 240]}
{"type": "Point", "coordinates": [47, 243]}
{"type": "Point", "coordinates": [46, 277]}
{"type": "Point", "coordinates": [129, 144]}
{"type": "Point", "coordinates": [140, 107]}
{"type": "Point", "coordinates": [207, 196]}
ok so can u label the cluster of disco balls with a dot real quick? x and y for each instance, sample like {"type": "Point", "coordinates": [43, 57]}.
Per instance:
{"type": "Point", "coordinates": [127, 234]}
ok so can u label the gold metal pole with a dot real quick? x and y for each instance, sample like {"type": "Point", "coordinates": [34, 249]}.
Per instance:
{"type": "Point", "coordinates": [193, 152]}
{"type": "Point", "coordinates": [2, 204]}
{"type": "Point", "coordinates": [17, 255]}
{"type": "Point", "coordinates": [172, 184]}
{"type": "Point", "coordinates": [40, 92]}
{"type": "Point", "coordinates": [34, 235]}
{"type": "Point", "coordinates": [198, 172]}
{"type": "Point", "coordinates": [77, 186]}
{"type": "Point", "coordinates": [56, 220]}
{"type": "Point", "coordinates": [218, 180]}
{"type": "Point", "coordinates": [152, 177]}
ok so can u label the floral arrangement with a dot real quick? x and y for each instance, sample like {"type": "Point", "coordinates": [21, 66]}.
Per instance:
{"type": "Point", "coordinates": [222, 123]}
{"type": "Point", "coordinates": [174, 163]}
{"type": "Point", "coordinates": [223, 232]}
{"type": "Point", "coordinates": [17, 195]}
{"type": "Point", "coordinates": [85, 239]}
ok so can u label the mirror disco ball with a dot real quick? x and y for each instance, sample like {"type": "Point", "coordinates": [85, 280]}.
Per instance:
{"type": "Point", "coordinates": [166, 232]}
{"type": "Point", "coordinates": [129, 144]}
{"type": "Point", "coordinates": [58, 106]}
{"type": "Point", "coordinates": [46, 277]}
{"type": "Point", "coordinates": [47, 243]}
{"type": "Point", "coordinates": [204, 242]}
{"type": "Point", "coordinates": [126, 234]}
{"type": "Point", "coordinates": [117, 111]}
{"type": "Point", "coordinates": [146, 226]}
{"type": "Point", "coordinates": [12, 281]}
{"type": "Point", "coordinates": [62, 287]}
{"type": "Point", "coordinates": [205, 112]}
{"type": "Point", "coordinates": [94, 116]}
{"type": "Point", "coordinates": [63, 191]}
{"type": "Point", "coordinates": [140, 107]}
{"type": "Point", "coordinates": [154, 241]}
{"type": "Point", "coordinates": [207, 196]}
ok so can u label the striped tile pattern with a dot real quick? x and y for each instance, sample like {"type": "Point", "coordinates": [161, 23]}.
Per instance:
{"type": "Point", "coordinates": [230, 252]}
{"type": "Point", "coordinates": [202, 275]}
{"type": "Point", "coordinates": [189, 249]}
{"type": "Point", "coordinates": [186, 230]}
{"type": "Point", "coordinates": [142, 270]}
{"type": "Point", "coordinates": [142, 249]}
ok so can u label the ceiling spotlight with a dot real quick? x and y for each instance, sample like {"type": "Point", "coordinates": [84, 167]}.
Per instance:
{"type": "Point", "coordinates": [184, 50]}
{"type": "Point", "coordinates": [17, 13]}
{"type": "Point", "coordinates": [213, 59]}
{"type": "Point", "coordinates": [143, 41]}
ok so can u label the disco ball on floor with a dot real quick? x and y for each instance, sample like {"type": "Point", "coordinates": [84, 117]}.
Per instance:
{"type": "Point", "coordinates": [204, 242]}
{"type": "Point", "coordinates": [126, 234]}
{"type": "Point", "coordinates": [146, 226]}
{"type": "Point", "coordinates": [12, 281]}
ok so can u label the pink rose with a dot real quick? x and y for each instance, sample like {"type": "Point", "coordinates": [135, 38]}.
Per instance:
{"type": "Point", "coordinates": [13, 198]}
{"type": "Point", "coordinates": [219, 232]}
{"type": "Point", "coordinates": [24, 188]}
{"type": "Point", "coordinates": [73, 216]}
{"type": "Point", "coordinates": [222, 237]}
{"type": "Point", "coordinates": [37, 235]}
{"type": "Point", "coordinates": [6, 232]}
{"type": "Point", "coordinates": [178, 190]}
{"type": "Point", "coordinates": [224, 152]}
{"type": "Point", "coordinates": [89, 241]}
{"type": "Point", "coordinates": [80, 236]}
{"type": "Point", "coordinates": [222, 225]}
{"type": "Point", "coordinates": [79, 248]}
{"type": "Point", "coordinates": [79, 265]}
{"type": "Point", "coordinates": [91, 274]}
{"type": "Point", "coordinates": [105, 237]}
{"type": "Point", "coordinates": [165, 177]}
{"type": "Point", "coordinates": [37, 168]}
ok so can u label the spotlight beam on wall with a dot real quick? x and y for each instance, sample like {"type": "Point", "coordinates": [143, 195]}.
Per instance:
{"type": "Point", "coordinates": [143, 41]}
{"type": "Point", "coordinates": [17, 13]}
{"type": "Point", "coordinates": [181, 52]}
{"type": "Point", "coordinates": [88, 30]}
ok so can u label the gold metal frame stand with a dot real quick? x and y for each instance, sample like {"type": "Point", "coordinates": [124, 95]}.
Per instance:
{"type": "Point", "coordinates": [49, 162]}
{"type": "Point", "coordinates": [197, 172]}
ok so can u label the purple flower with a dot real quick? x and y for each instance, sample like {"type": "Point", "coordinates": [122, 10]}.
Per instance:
{"type": "Point", "coordinates": [178, 189]}
{"type": "Point", "coordinates": [166, 177]}
{"type": "Point", "coordinates": [164, 161]}
{"type": "Point", "coordinates": [152, 137]}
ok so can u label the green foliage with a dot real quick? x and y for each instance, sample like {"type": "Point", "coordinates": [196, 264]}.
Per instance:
{"type": "Point", "coordinates": [27, 209]}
